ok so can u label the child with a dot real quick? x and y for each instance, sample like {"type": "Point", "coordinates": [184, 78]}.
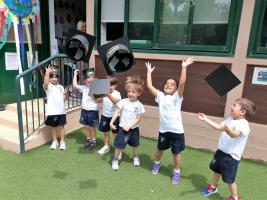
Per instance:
{"type": "Point", "coordinates": [171, 132]}
{"type": "Point", "coordinates": [55, 109]}
{"type": "Point", "coordinates": [235, 130]}
{"type": "Point", "coordinates": [109, 107]}
{"type": "Point", "coordinates": [130, 110]}
{"type": "Point", "coordinates": [89, 112]}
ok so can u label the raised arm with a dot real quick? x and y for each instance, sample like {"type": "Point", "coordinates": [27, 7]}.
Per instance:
{"type": "Point", "coordinates": [48, 69]}
{"type": "Point", "coordinates": [182, 80]}
{"type": "Point", "coordinates": [150, 86]}
{"type": "Point", "coordinates": [113, 99]}
{"type": "Point", "coordinates": [74, 82]}
{"type": "Point", "coordinates": [203, 117]}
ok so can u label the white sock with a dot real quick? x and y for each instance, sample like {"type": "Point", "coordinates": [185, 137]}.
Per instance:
{"type": "Point", "coordinates": [157, 162]}
{"type": "Point", "coordinates": [176, 170]}
{"type": "Point", "coordinates": [236, 198]}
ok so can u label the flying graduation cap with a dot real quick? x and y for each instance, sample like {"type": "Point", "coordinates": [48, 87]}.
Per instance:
{"type": "Point", "coordinates": [79, 45]}
{"type": "Point", "coordinates": [222, 80]}
{"type": "Point", "coordinates": [117, 56]}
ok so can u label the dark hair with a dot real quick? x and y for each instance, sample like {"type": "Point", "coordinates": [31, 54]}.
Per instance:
{"type": "Point", "coordinates": [170, 78]}
{"type": "Point", "coordinates": [113, 80]}
{"type": "Point", "coordinates": [247, 105]}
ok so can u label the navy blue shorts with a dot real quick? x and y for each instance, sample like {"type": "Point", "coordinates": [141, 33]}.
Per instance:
{"type": "Point", "coordinates": [225, 165]}
{"type": "Point", "coordinates": [56, 120]}
{"type": "Point", "coordinates": [104, 124]}
{"type": "Point", "coordinates": [89, 118]}
{"type": "Point", "coordinates": [131, 137]}
{"type": "Point", "coordinates": [174, 140]}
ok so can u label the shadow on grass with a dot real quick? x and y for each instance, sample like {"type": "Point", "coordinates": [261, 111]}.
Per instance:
{"type": "Point", "coordinates": [88, 184]}
{"type": "Point", "coordinates": [60, 175]}
{"type": "Point", "coordinates": [199, 182]}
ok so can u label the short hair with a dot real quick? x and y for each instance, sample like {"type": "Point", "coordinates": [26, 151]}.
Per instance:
{"type": "Point", "coordinates": [136, 82]}
{"type": "Point", "coordinates": [170, 78]}
{"type": "Point", "coordinates": [247, 105]}
{"type": "Point", "coordinates": [80, 24]}
{"type": "Point", "coordinates": [113, 80]}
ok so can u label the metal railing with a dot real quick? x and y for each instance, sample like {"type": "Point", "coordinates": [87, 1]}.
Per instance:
{"type": "Point", "coordinates": [32, 102]}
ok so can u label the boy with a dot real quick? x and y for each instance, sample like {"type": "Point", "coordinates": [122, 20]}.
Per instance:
{"type": "Point", "coordinates": [109, 107]}
{"type": "Point", "coordinates": [235, 130]}
{"type": "Point", "coordinates": [55, 109]}
{"type": "Point", "coordinates": [130, 111]}
{"type": "Point", "coordinates": [89, 112]}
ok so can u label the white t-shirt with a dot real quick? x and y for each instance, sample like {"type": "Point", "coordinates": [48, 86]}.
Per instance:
{"type": "Point", "coordinates": [170, 118]}
{"type": "Point", "coordinates": [234, 146]}
{"type": "Point", "coordinates": [129, 111]}
{"type": "Point", "coordinates": [88, 103]}
{"type": "Point", "coordinates": [108, 107]}
{"type": "Point", "coordinates": [55, 100]}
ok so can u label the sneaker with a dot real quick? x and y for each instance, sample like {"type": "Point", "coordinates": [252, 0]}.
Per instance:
{"type": "Point", "coordinates": [54, 145]}
{"type": "Point", "coordinates": [209, 190]}
{"type": "Point", "coordinates": [87, 143]}
{"type": "Point", "coordinates": [104, 150]}
{"type": "Point", "coordinates": [232, 198]}
{"type": "Point", "coordinates": [92, 145]}
{"type": "Point", "coordinates": [120, 156]}
{"type": "Point", "coordinates": [155, 168]}
{"type": "Point", "coordinates": [176, 178]}
{"type": "Point", "coordinates": [115, 165]}
{"type": "Point", "coordinates": [62, 145]}
{"type": "Point", "coordinates": [136, 161]}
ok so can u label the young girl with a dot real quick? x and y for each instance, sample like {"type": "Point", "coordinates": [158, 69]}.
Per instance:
{"type": "Point", "coordinates": [109, 107]}
{"type": "Point", "coordinates": [55, 109]}
{"type": "Point", "coordinates": [130, 110]}
{"type": "Point", "coordinates": [171, 132]}
{"type": "Point", "coordinates": [89, 112]}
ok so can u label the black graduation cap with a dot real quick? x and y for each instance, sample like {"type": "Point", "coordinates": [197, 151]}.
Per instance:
{"type": "Point", "coordinates": [222, 80]}
{"type": "Point", "coordinates": [79, 45]}
{"type": "Point", "coordinates": [87, 73]}
{"type": "Point", "coordinates": [117, 56]}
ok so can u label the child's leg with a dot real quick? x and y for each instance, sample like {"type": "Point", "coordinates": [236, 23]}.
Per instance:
{"type": "Point", "coordinates": [177, 159]}
{"type": "Point", "coordinates": [87, 132]}
{"type": "Point", "coordinates": [233, 189]}
{"type": "Point", "coordinates": [158, 155]}
{"type": "Point", "coordinates": [117, 153]}
{"type": "Point", "coordinates": [92, 133]}
{"type": "Point", "coordinates": [106, 138]}
{"type": "Point", "coordinates": [54, 133]}
{"type": "Point", "coordinates": [135, 151]}
{"type": "Point", "coordinates": [61, 132]}
{"type": "Point", "coordinates": [215, 178]}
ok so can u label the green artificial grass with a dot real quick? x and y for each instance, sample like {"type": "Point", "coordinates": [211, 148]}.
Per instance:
{"type": "Point", "coordinates": [76, 174]}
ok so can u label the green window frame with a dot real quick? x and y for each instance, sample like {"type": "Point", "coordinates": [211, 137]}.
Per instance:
{"type": "Point", "coordinates": [217, 50]}
{"type": "Point", "coordinates": [254, 48]}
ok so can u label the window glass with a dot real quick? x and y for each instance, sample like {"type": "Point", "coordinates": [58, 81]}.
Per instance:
{"type": "Point", "coordinates": [141, 20]}
{"type": "Point", "coordinates": [173, 25]}
{"type": "Point", "coordinates": [263, 37]}
{"type": "Point", "coordinates": [210, 22]}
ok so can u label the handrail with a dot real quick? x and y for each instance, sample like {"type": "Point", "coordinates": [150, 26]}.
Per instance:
{"type": "Point", "coordinates": [35, 94]}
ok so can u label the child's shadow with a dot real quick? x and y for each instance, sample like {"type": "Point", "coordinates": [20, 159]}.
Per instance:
{"type": "Point", "coordinates": [78, 136]}
{"type": "Point", "coordinates": [199, 182]}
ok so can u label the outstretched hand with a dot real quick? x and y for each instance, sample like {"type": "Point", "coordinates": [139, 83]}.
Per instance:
{"type": "Point", "coordinates": [149, 68]}
{"type": "Point", "coordinates": [188, 62]}
{"type": "Point", "coordinates": [201, 116]}
{"type": "Point", "coordinates": [49, 69]}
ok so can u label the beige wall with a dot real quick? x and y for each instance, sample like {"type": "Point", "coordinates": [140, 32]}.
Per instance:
{"type": "Point", "coordinates": [199, 135]}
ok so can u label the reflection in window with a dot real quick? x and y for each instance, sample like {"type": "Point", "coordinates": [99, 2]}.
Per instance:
{"type": "Point", "coordinates": [210, 22]}
{"type": "Point", "coordinates": [173, 25]}
{"type": "Point", "coordinates": [140, 27]}
{"type": "Point", "coordinates": [112, 20]}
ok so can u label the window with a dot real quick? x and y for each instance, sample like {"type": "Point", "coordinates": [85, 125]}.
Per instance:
{"type": "Point", "coordinates": [198, 25]}
{"type": "Point", "coordinates": [258, 35]}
